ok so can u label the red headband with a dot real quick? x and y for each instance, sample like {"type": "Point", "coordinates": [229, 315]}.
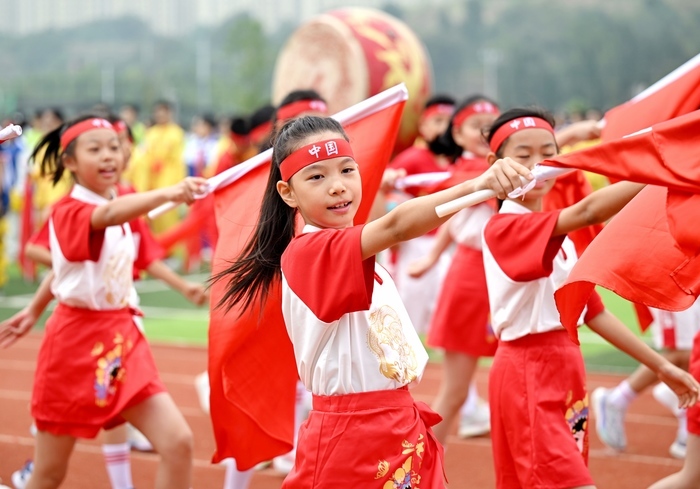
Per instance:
{"type": "Point", "coordinates": [76, 130]}
{"type": "Point", "coordinates": [473, 109]}
{"type": "Point", "coordinates": [122, 128]}
{"type": "Point", "coordinates": [437, 109]}
{"type": "Point", "coordinates": [311, 153]}
{"type": "Point", "coordinates": [260, 132]}
{"type": "Point", "coordinates": [297, 108]}
{"type": "Point", "coordinates": [507, 130]}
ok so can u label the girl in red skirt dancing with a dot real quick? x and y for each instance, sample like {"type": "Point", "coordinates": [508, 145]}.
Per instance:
{"type": "Point", "coordinates": [355, 347]}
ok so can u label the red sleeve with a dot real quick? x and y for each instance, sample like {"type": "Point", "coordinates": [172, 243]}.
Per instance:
{"type": "Point", "coordinates": [594, 307]}
{"type": "Point", "coordinates": [326, 271]}
{"type": "Point", "coordinates": [148, 248]}
{"type": "Point", "coordinates": [41, 237]}
{"type": "Point", "coordinates": [71, 223]}
{"type": "Point", "coordinates": [522, 244]}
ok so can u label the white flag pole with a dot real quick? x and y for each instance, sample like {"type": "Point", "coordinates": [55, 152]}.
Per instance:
{"type": "Point", "coordinates": [372, 105]}
{"type": "Point", "coordinates": [540, 172]}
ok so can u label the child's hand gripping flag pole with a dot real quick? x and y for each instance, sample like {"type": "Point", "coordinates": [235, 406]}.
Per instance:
{"type": "Point", "coordinates": [252, 371]}
{"type": "Point", "coordinates": [541, 174]}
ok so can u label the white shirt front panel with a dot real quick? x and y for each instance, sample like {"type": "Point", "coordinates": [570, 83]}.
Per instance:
{"type": "Point", "coordinates": [363, 351]}
{"type": "Point", "coordinates": [522, 308]}
{"type": "Point", "coordinates": [467, 226]}
{"type": "Point", "coordinates": [100, 285]}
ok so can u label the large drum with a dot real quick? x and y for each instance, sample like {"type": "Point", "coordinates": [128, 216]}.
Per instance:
{"type": "Point", "coordinates": [351, 54]}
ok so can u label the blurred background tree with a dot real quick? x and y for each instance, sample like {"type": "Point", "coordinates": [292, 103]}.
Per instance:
{"type": "Point", "coordinates": [565, 54]}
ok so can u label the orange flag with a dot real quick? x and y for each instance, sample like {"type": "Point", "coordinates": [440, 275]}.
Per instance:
{"type": "Point", "coordinates": [252, 371]}
{"type": "Point", "coordinates": [676, 94]}
{"type": "Point", "coordinates": [652, 234]}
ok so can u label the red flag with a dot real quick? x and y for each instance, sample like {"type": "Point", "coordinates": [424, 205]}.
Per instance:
{"type": "Point", "coordinates": [636, 257]}
{"type": "Point", "coordinates": [653, 234]}
{"type": "Point", "coordinates": [676, 94]}
{"type": "Point", "coordinates": [252, 371]}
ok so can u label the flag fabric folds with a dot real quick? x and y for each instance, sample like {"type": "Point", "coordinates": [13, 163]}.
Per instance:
{"type": "Point", "coordinates": [252, 371]}
{"type": "Point", "coordinates": [676, 94]}
{"type": "Point", "coordinates": [649, 252]}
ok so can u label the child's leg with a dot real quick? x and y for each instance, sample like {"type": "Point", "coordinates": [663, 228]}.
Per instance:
{"type": "Point", "coordinates": [117, 455]}
{"type": "Point", "coordinates": [689, 475]}
{"type": "Point", "coordinates": [458, 370]}
{"type": "Point", "coordinates": [161, 421]}
{"type": "Point", "coordinates": [51, 455]}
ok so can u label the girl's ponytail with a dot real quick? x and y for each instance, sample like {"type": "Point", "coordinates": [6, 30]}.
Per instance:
{"type": "Point", "coordinates": [259, 264]}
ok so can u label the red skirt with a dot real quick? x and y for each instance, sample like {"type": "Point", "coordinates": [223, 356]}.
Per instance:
{"type": "Point", "coordinates": [462, 322]}
{"type": "Point", "coordinates": [92, 365]}
{"type": "Point", "coordinates": [539, 413]}
{"type": "Point", "coordinates": [376, 439]}
{"type": "Point", "coordinates": [694, 412]}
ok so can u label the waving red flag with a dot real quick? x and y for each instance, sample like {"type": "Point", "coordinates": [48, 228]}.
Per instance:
{"type": "Point", "coordinates": [676, 94]}
{"type": "Point", "coordinates": [649, 252]}
{"type": "Point", "coordinates": [251, 362]}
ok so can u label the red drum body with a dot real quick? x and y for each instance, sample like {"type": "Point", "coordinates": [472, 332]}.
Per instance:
{"type": "Point", "coordinates": [350, 54]}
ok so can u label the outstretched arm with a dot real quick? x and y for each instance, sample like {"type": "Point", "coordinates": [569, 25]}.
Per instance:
{"type": "Point", "coordinates": [193, 292]}
{"type": "Point", "coordinates": [597, 207]}
{"type": "Point", "coordinates": [614, 331]}
{"type": "Point", "coordinates": [442, 241]}
{"type": "Point", "coordinates": [21, 323]}
{"type": "Point", "coordinates": [128, 207]}
{"type": "Point", "coordinates": [417, 216]}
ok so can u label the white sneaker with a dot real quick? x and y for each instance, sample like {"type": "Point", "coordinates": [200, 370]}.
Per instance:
{"type": "Point", "coordinates": [201, 385]}
{"type": "Point", "coordinates": [284, 463]}
{"type": "Point", "coordinates": [609, 420]}
{"type": "Point", "coordinates": [666, 397]}
{"type": "Point", "coordinates": [137, 440]}
{"type": "Point", "coordinates": [477, 423]}
{"type": "Point", "coordinates": [21, 477]}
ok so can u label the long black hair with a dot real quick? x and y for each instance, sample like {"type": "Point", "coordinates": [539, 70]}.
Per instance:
{"type": "Point", "coordinates": [512, 114]}
{"type": "Point", "coordinates": [252, 273]}
{"type": "Point", "coordinates": [49, 150]}
{"type": "Point", "coordinates": [445, 144]}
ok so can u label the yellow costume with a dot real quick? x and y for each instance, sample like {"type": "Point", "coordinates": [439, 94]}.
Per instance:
{"type": "Point", "coordinates": [159, 163]}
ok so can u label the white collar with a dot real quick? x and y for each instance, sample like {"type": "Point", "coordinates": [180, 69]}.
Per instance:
{"type": "Point", "coordinates": [88, 196]}
{"type": "Point", "coordinates": [468, 155]}
{"type": "Point", "coordinates": [512, 207]}
{"type": "Point", "coordinates": [309, 228]}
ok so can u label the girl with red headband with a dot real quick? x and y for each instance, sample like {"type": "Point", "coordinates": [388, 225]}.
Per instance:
{"type": "Point", "coordinates": [354, 344]}
{"type": "Point", "coordinates": [460, 325]}
{"type": "Point", "coordinates": [539, 405]}
{"type": "Point", "coordinates": [95, 369]}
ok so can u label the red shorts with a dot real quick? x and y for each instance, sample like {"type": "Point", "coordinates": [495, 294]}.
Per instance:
{"type": "Point", "coordinates": [461, 322]}
{"type": "Point", "coordinates": [539, 413]}
{"type": "Point", "coordinates": [92, 365]}
{"type": "Point", "coordinates": [372, 439]}
{"type": "Point", "coordinates": [694, 412]}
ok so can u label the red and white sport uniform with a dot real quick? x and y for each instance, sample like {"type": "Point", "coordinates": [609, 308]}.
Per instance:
{"type": "Point", "coordinates": [675, 330]}
{"type": "Point", "coordinates": [537, 394]}
{"type": "Point", "coordinates": [357, 352]}
{"type": "Point", "coordinates": [93, 362]}
{"type": "Point", "coordinates": [461, 320]}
